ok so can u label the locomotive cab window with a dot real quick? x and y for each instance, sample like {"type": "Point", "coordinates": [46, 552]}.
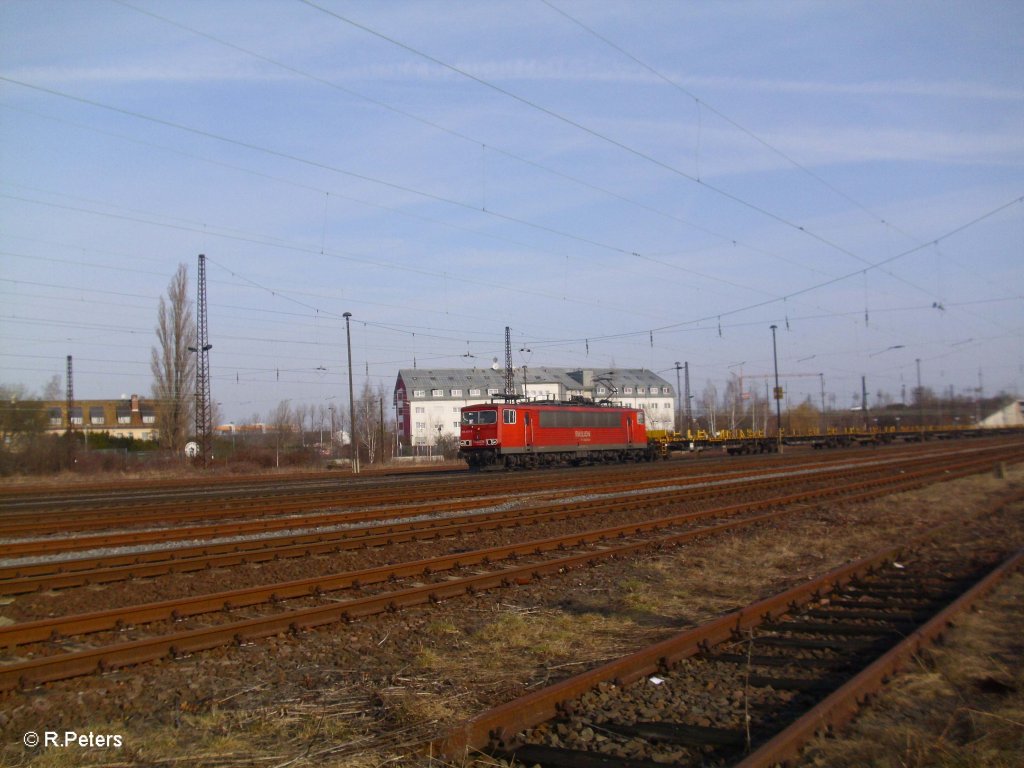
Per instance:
{"type": "Point", "coordinates": [509, 416]}
{"type": "Point", "coordinates": [640, 417]}
{"type": "Point", "coordinates": [480, 417]}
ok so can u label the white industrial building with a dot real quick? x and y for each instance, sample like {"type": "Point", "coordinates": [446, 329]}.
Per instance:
{"type": "Point", "coordinates": [428, 402]}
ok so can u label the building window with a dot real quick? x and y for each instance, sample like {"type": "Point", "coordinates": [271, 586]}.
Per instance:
{"type": "Point", "coordinates": [628, 391]}
{"type": "Point", "coordinates": [56, 417]}
{"type": "Point", "coordinates": [420, 409]}
{"type": "Point", "coordinates": [666, 390]}
{"type": "Point", "coordinates": [456, 425]}
{"type": "Point", "coordinates": [492, 391]}
{"type": "Point", "coordinates": [641, 391]}
{"type": "Point", "coordinates": [437, 393]}
{"type": "Point", "coordinates": [419, 393]}
{"type": "Point", "coordinates": [474, 393]}
{"type": "Point", "coordinates": [96, 415]}
{"type": "Point", "coordinates": [456, 393]}
{"type": "Point", "coordinates": [602, 391]}
{"type": "Point", "coordinates": [421, 425]}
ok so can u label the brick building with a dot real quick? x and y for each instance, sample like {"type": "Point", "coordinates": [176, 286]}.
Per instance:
{"type": "Point", "coordinates": [127, 417]}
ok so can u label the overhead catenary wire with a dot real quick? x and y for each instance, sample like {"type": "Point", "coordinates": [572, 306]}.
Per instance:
{"type": "Point", "coordinates": [590, 131]}
{"type": "Point", "coordinates": [623, 335]}
{"type": "Point", "coordinates": [585, 240]}
{"type": "Point", "coordinates": [484, 145]}
{"type": "Point", "coordinates": [238, 258]}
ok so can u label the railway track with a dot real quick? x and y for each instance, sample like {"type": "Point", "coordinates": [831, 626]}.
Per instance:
{"type": "Point", "coordinates": [750, 687]}
{"type": "Point", "coordinates": [667, 483]}
{"type": "Point", "coordinates": [23, 515]}
{"type": "Point", "coordinates": [65, 573]}
{"type": "Point", "coordinates": [55, 662]}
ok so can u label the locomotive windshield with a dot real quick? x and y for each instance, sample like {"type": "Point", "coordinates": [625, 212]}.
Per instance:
{"type": "Point", "coordinates": [479, 417]}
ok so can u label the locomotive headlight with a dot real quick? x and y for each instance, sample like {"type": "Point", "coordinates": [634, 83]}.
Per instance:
{"type": "Point", "coordinates": [492, 441]}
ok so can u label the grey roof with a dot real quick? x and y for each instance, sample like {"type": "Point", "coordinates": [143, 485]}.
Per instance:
{"type": "Point", "coordinates": [490, 378]}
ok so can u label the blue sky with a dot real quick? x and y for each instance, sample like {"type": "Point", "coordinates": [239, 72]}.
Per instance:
{"type": "Point", "coordinates": [623, 184]}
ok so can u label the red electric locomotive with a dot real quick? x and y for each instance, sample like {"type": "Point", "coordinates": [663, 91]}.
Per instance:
{"type": "Point", "coordinates": [545, 433]}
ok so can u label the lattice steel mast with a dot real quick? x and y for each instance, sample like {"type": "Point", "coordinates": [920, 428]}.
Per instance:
{"type": "Point", "coordinates": [70, 395]}
{"type": "Point", "coordinates": [204, 415]}
{"type": "Point", "coordinates": [510, 375]}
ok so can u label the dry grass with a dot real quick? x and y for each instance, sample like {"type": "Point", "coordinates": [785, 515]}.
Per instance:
{"type": "Point", "coordinates": [388, 693]}
{"type": "Point", "coordinates": [509, 646]}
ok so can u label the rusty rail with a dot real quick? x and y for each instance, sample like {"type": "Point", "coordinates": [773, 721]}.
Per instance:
{"type": "Point", "coordinates": [229, 504]}
{"type": "Point", "coordinates": [72, 664]}
{"type": "Point", "coordinates": [840, 707]}
{"type": "Point", "coordinates": [501, 724]}
{"type": "Point", "coordinates": [19, 579]}
{"type": "Point", "coordinates": [35, 631]}
{"type": "Point", "coordinates": [80, 543]}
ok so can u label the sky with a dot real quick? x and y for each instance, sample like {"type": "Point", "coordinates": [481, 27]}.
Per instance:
{"type": "Point", "coordinates": [622, 184]}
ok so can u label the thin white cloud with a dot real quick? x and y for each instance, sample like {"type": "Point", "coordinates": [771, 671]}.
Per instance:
{"type": "Point", "coordinates": [958, 89]}
{"type": "Point", "coordinates": [224, 71]}
{"type": "Point", "coordinates": [563, 68]}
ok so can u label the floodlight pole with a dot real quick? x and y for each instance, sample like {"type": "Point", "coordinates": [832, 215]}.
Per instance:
{"type": "Point", "coordinates": [679, 400]}
{"type": "Point", "coordinates": [351, 399]}
{"type": "Point", "coordinates": [778, 391]}
{"type": "Point", "coordinates": [920, 399]}
{"type": "Point", "coordinates": [824, 413]}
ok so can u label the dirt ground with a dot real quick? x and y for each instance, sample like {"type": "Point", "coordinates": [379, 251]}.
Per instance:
{"type": "Point", "coordinates": [369, 693]}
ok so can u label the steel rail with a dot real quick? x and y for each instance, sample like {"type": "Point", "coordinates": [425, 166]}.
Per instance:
{"type": "Point", "coordinates": [125, 499]}
{"type": "Point", "coordinates": [44, 629]}
{"type": "Point", "coordinates": [77, 663]}
{"type": "Point", "coordinates": [840, 707]}
{"type": "Point", "coordinates": [500, 725]}
{"type": "Point", "coordinates": [62, 573]}
{"type": "Point", "coordinates": [227, 506]}
{"type": "Point", "coordinates": [19, 579]}
{"type": "Point", "coordinates": [91, 494]}
{"type": "Point", "coordinates": [498, 487]}
{"type": "Point", "coordinates": [196, 483]}
{"type": "Point", "coordinates": [80, 543]}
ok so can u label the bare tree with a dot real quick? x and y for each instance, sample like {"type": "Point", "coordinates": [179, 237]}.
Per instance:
{"type": "Point", "coordinates": [710, 401]}
{"type": "Point", "coordinates": [52, 390]}
{"type": "Point", "coordinates": [321, 419]}
{"type": "Point", "coordinates": [173, 366]}
{"type": "Point", "coordinates": [376, 432]}
{"type": "Point", "coordinates": [368, 422]}
{"type": "Point", "coordinates": [282, 418]}
{"type": "Point", "coordinates": [301, 412]}
{"type": "Point", "coordinates": [20, 416]}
